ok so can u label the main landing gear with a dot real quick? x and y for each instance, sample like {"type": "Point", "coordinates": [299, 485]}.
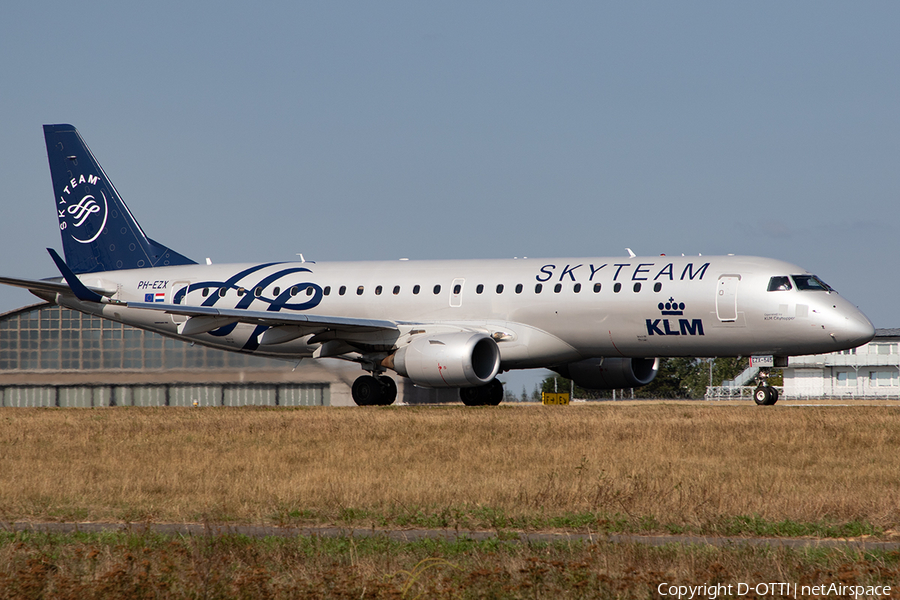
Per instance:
{"type": "Point", "coordinates": [371, 390]}
{"type": "Point", "coordinates": [764, 394]}
{"type": "Point", "coordinates": [380, 390]}
{"type": "Point", "coordinates": [483, 395]}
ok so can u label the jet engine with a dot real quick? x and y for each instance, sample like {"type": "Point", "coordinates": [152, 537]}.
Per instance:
{"type": "Point", "coordinates": [610, 373]}
{"type": "Point", "coordinates": [463, 359]}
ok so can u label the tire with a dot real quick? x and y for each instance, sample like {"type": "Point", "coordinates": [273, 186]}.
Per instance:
{"type": "Point", "coordinates": [470, 396]}
{"type": "Point", "coordinates": [494, 393]}
{"type": "Point", "coordinates": [367, 391]}
{"type": "Point", "coordinates": [490, 394]}
{"type": "Point", "coordinates": [774, 398]}
{"type": "Point", "coordinates": [762, 396]}
{"type": "Point", "coordinates": [388, 390]}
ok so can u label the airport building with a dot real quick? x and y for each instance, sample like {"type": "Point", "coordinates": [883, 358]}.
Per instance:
{"type": "Point", "coordinates": [53, 356]}
{"type": "Point", "coordinates": [870, 371]}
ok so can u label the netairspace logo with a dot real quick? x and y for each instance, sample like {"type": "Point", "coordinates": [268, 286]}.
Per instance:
{"type": "Point", "coordinates": [775, 589]}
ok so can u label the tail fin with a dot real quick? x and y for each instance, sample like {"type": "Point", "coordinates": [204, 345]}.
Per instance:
{"type": "Point", "coordinates": [98, 231]}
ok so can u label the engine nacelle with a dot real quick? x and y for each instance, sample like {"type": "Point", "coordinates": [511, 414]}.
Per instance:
{"type": "Point", "coordinates": [610, 373]}
{"type": "Point", "coordinates": [463, 359]}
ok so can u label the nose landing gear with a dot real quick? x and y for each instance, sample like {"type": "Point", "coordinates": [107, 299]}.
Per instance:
{"type": "Point", "coordinates": [764, 394]}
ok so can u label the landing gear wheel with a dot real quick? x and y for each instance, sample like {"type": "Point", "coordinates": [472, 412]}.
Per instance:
{"type": "Point", "coordinates": [388, 390]}
{"type": "Point", "coordinates": [470, 396]}
{"type": "Point", "coordinates": [494, 393]}
{"type": "Point", "coordinates": [367, 391]}
{"type": "Point", "coordinates": [765, 396]}
{"type": "Point", "coordinates": [490, 394]}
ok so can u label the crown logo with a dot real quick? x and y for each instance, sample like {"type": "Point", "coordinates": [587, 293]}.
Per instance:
{"type": "Point", "coordinates": [671, 307]}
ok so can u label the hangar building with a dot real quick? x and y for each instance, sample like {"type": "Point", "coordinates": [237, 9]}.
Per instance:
{"type": "Point", "coordinates": [53, 356]}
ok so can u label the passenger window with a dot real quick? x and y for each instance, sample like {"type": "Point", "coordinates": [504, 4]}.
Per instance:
{"type": "Point", "coordinates": [206, 292]}
{"type": "Point", "coordinates": [637, 287]}
{"type": "Point", "coordinates": [499, 288]}
{"type": "Point", "coordinates": [437, 289]}
{"type": "Point", "coordinates": [359, 290]}
{"type": "Point", "coordinates": [310, 291]}
{"type": "Point", "coordinates": [519, 288]}
{"type": "Point", "coordinates": [396, 289]}
{"type": "Point", "coordinates": [479, 288]}
{"type": "Point", "coordinates": [342, 290]}
{"type": "Point", "coordinates": [276, 291]}
{"type": "Point", "coordinates": [557, 288]}
{"type": "Point", "coordinates": [294, 290]}
{"type": "Point", "coordinates": [657, 286]}
{"type": "Point", "coordinates": [577, 288]}
{"type": "Point", "coordinates": [457, 288]}
{"type": "Point", "coordinates": [596, 287]}
{"type": "Point", "coordinates": [779, 284]}
{"type": "Point", "coordinates": [241, 291]}
{"type": "Point", "coordinates": [617, 288]}
{"type": "Point", "coordinates": [416, 289]}
{"type": "Point", "coordinates": [222, 292]}
{"type": "Point", "coordinates": [537, 288]}
{"type": "Point", "coordinates": [378, 290]}
{"type": "Point", "coordinates": [327, 290]}
{"type": "Point", "coordinates": [257, 292]}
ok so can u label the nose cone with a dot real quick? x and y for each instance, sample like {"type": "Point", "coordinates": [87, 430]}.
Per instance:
{"type": "Point", "coordinates": [855, 329]}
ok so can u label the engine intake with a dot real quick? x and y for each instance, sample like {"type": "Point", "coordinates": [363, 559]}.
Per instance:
{"type": "Point", "coordinates": [461, 359]}
{"type": "Point", "coordinates": [610, 373]}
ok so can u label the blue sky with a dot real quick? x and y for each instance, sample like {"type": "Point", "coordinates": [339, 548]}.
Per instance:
{"type": "Point", "coordinates": [383, 130]}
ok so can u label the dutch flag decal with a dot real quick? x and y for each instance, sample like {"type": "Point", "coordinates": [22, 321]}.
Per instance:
{"type": "Point", "coordinates": [157, 297]}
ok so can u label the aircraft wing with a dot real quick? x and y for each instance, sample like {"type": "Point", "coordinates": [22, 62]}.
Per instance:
{"type": "Point", "coordinates": [206, 318]}
{"type": "Point", "coordinates": [272, 319]}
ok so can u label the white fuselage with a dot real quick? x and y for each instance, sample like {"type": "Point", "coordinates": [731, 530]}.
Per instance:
{"type": "Point", "coordinates": [547, 312]}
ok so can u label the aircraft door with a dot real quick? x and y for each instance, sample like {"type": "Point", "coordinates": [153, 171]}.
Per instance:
{"type": "Point", "coordinates": [726, 297]}
{"type": "Point", "coordinates": [456, 289]}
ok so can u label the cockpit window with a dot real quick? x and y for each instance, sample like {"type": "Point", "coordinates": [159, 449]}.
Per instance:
{"type": "Point", "coordinates": [779, 284]}
{"type": "Point", "coordinates": [810, 282]}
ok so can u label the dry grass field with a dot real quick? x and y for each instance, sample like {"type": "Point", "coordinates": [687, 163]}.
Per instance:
{"type": "Point", "coordinates": [146, 566]}
{"type": "Point", "coordinates": [830, 471]}
{"type": "Point", "coordinates": [779, 470]}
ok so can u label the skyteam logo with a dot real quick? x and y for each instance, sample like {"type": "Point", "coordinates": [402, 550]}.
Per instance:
{"type": "Point", "coordinates": [85, 218]}
{"type": "Point", "coordinates": [666, 326]}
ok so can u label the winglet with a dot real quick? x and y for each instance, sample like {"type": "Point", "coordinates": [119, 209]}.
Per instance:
{"type": "Point", "coordinates": [80, 290]}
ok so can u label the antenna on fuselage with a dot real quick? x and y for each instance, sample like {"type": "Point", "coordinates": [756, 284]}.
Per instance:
{"type": "Point", "coordinates": [630, 253]}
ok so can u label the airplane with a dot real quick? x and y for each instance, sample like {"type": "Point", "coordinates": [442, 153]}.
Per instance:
{"type": "Point", "coordinates": [602, 322]}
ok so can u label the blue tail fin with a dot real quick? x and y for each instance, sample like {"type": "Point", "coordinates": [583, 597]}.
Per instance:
{"type": "Point", "coordinates": [98, 231]}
